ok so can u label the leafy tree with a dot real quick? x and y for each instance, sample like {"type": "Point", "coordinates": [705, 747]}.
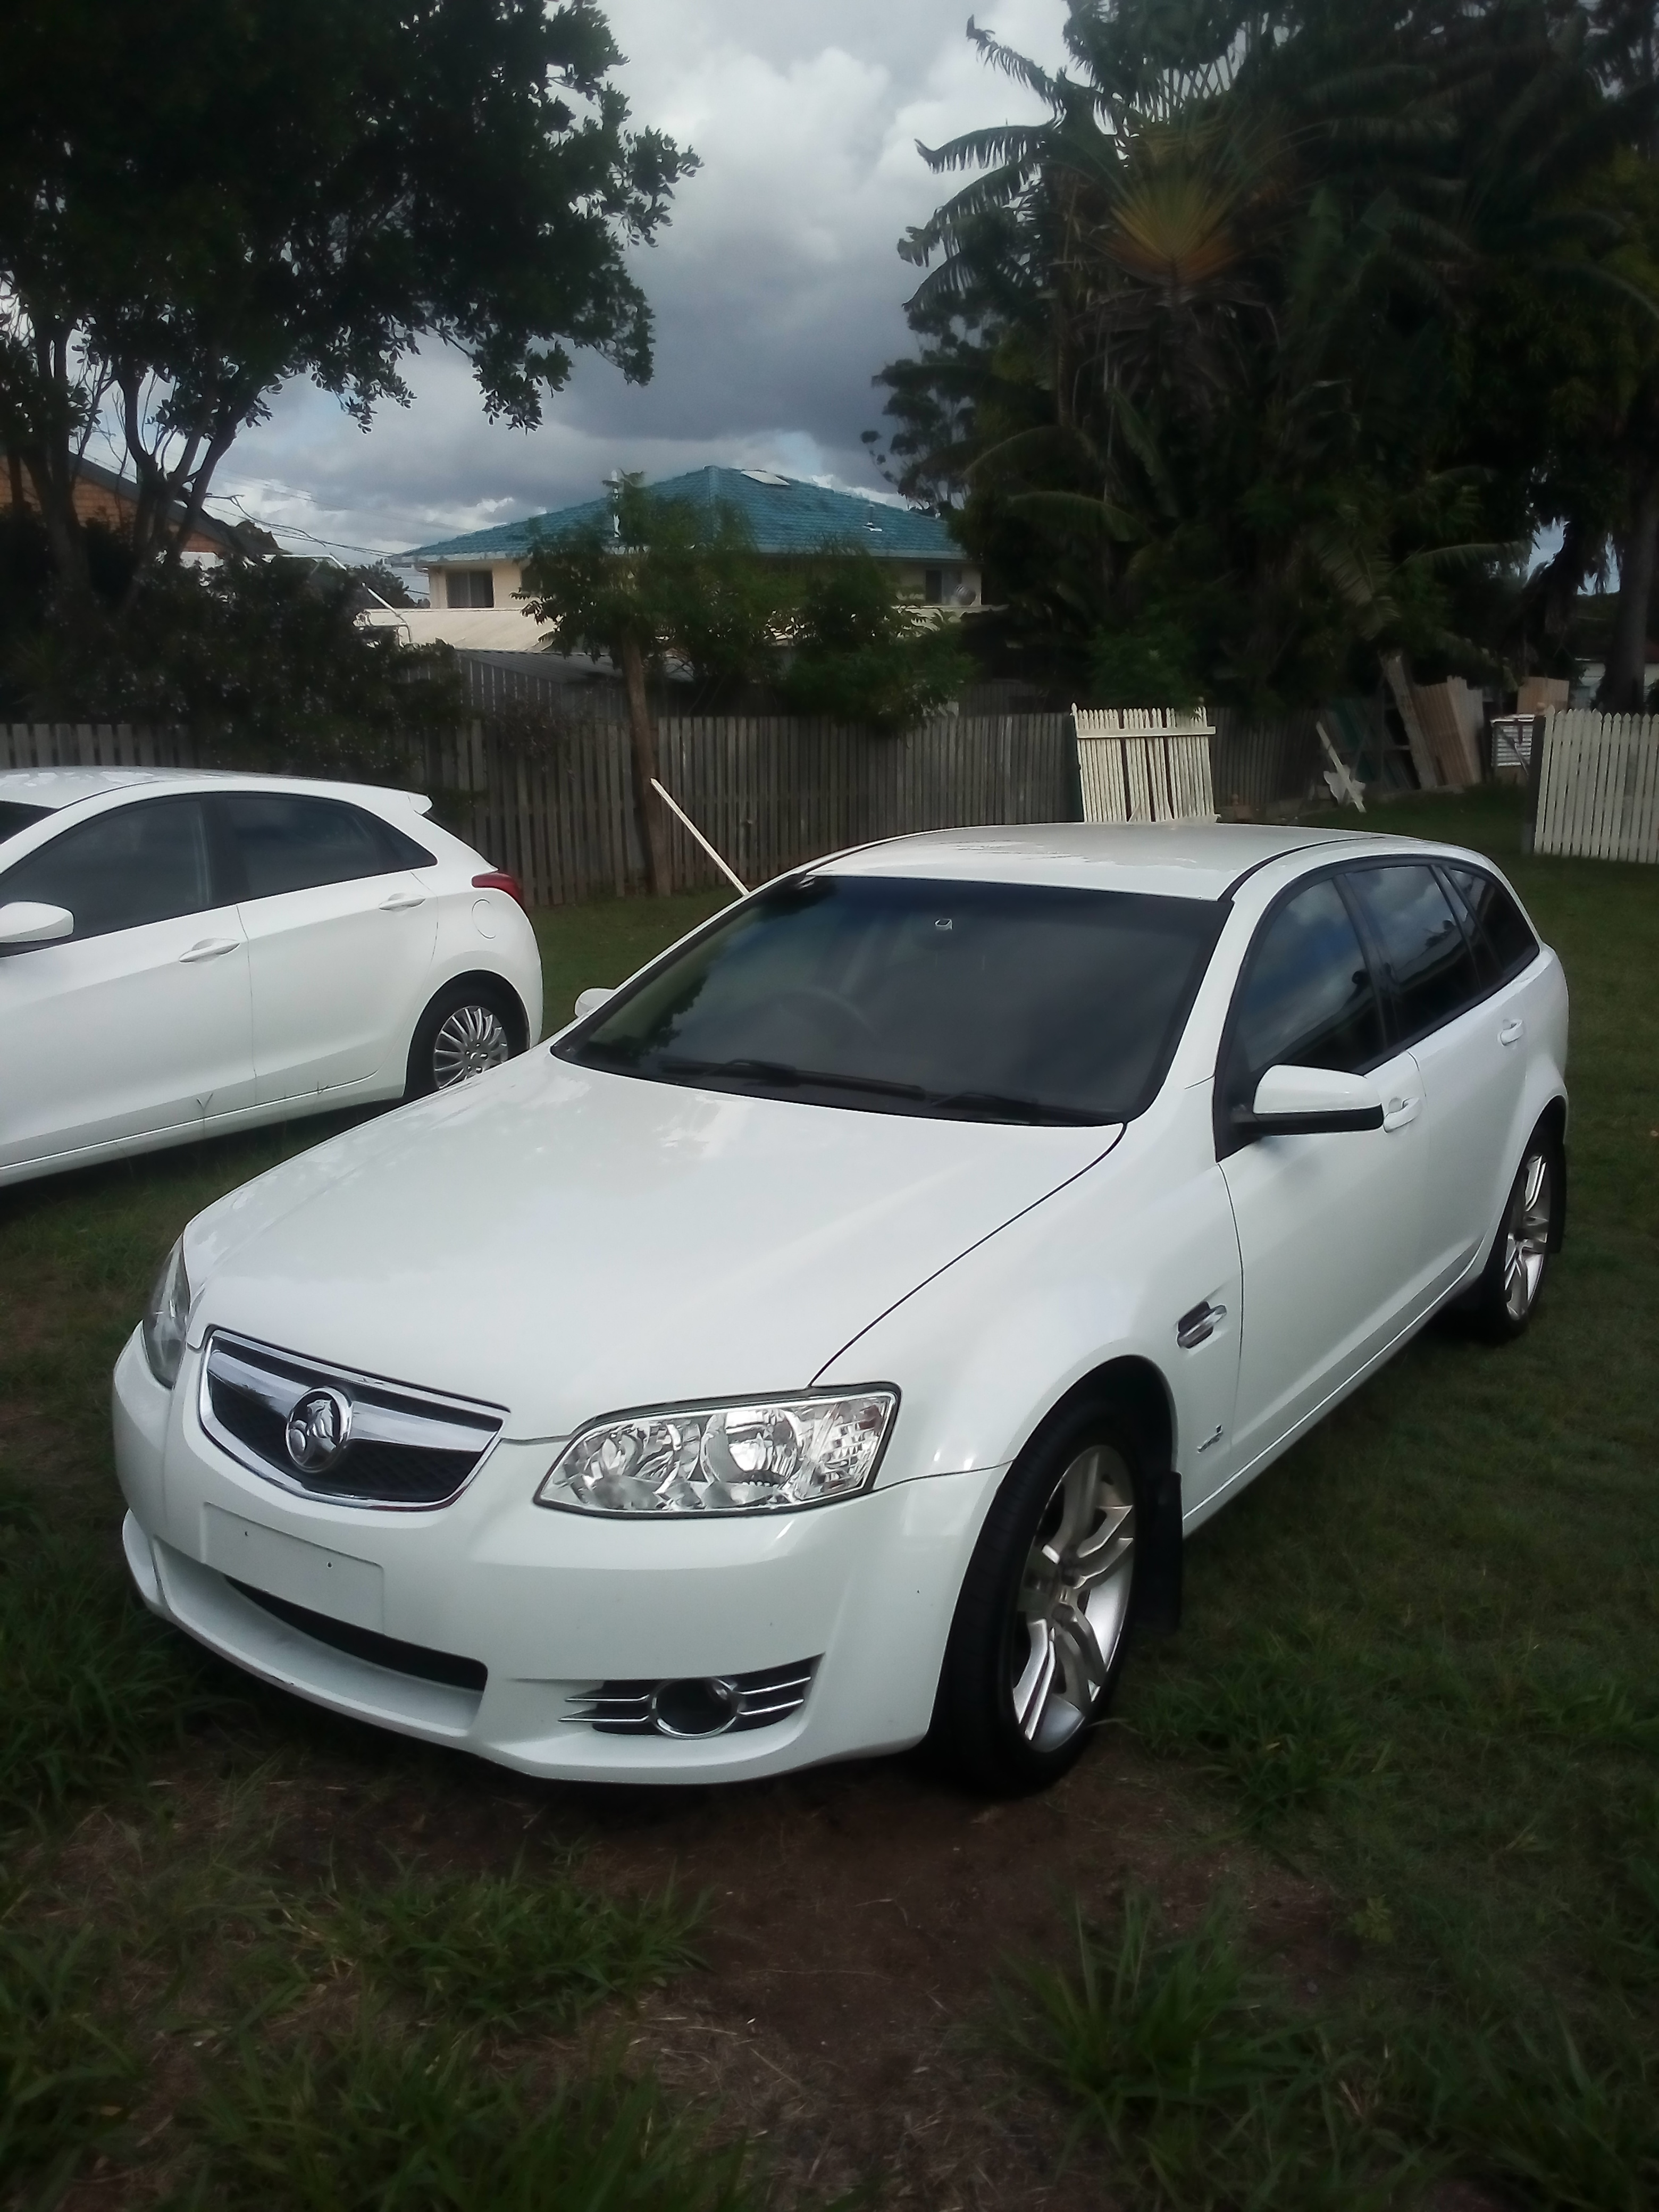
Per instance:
{"type": "Point", "coordinates": [658, 579]}
{"type": "Point", "coordinates": [1201, 355]}
{"type": "Point", "coordinates": [860, 653]}
{"type": "Point", "coordinates": [265, 656]}
{"type": "Point", "coordinates": [200, 202]}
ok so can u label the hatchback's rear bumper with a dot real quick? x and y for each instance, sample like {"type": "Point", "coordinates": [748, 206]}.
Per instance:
{"type": "Point", "coordinates": [541, 1606]}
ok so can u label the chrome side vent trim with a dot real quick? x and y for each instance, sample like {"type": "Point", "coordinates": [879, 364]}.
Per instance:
{"type": "Point", "coordinates": [715, 1704]}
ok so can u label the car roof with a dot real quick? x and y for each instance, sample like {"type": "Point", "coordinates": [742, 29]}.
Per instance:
{"type": "Point", "coordinates": [55, 787]}
{"type": "Point", "coordinates": [1175, 859]}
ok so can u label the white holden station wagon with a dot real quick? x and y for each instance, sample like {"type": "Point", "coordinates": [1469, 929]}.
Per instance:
{"type": "Point", "coordinates": [185, 953]}
{"type": "Point", "coordinates": [827, 1342]}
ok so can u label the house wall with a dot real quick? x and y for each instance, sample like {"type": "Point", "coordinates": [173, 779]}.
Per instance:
{"type": "Point", "coordinates": [95, 503]}
{"type": "Point", "coordinates": [955, 576]}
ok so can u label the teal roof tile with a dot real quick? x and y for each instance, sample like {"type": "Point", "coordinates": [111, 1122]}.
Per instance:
{"type": "Point", "coordinates": [784, 515]}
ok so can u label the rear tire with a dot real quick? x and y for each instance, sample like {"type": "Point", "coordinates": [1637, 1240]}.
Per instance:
{"type": "Point", "coordinates": [1041, 1626]}
{"type": "Point", "coordinates": [470, 1027]}
{"type": "Point", "coordinates": [1512, 1281]}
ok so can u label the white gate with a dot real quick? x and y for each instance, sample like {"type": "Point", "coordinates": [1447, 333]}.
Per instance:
{"type": "Point", "coordinates": [1143, 764]}
{"type": "Point", "coordinates": [1598, 785]}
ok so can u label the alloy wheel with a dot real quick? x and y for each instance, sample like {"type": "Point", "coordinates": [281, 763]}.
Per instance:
{"type": "Point", "coordinates": [471, 1039]}
{"type": "Point", "coordinates": [1527, 1236]}
{"type": "Point", "coordinates": [1073, 1598]}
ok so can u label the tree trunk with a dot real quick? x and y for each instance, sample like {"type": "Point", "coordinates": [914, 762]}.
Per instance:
{"type": "Point", "coordinates": [1624, 684]}
{"type": "Point", "coordinates": [1394, 667]}
{"type": "Point", "coordinates": [642, 746]}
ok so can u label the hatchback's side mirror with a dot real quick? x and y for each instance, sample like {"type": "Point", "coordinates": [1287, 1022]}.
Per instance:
{"type": "Point", "coordinates": [1308, 1102]}
{"type": "Point", "coordinates": [590, 1001]}
{"type": "Point", "coordinates": [25, 923]}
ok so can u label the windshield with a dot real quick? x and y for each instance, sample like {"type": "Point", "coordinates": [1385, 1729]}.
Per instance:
{"type": "Point", "coordinates": [15, 815]}
{"type": "Point", "coordinates": [993, 1002]}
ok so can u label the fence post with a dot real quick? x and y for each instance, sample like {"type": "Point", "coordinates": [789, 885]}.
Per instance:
{"type": "Point", "coordinates": [1534, 779]}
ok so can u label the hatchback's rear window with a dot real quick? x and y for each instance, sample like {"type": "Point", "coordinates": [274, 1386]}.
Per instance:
{"type": "Point", "coordinates": [997, 1002]}
{"type": "Point", "coordinates": [15, 815]}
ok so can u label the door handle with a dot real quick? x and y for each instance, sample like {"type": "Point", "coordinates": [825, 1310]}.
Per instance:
{"type": "Point", "coordinates": [1199, 1324]}
{"type": "Point", "coordinates": [1512, 1032]}
{"type": "Point", "coordinates": [1399, 1111]}
{"type": "Point", "coordinates": [210, 948]}
{"type": "Point", "coordinates": [400, 902]}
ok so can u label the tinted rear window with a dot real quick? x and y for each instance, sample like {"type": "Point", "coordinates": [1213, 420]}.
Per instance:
{"type": "Point", "coordinates": [1503, 939]}
{"type": "Point", "coordinates": [972, 1000]}
{"type": "Point", "coordinates": [15, 815]}
{"type": "Point", "coordinates": [1431, 968]}
{"type": "Point", "coordinates": [292, 842]}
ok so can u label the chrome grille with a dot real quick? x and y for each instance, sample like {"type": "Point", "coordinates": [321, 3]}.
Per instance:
{"type": "Point", "coordinates": [406, 1448]}
{"type": "Point", "coordinates": [639, 1708]}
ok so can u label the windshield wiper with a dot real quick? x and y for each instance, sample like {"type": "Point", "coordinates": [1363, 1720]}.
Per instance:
{"type": "Point", "coordinates": [781, 1071]}
{"type": "Point", "coordinates": [1003, 1106]}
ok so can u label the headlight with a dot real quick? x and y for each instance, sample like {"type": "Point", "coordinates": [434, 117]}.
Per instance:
{"type": "Point", "coordinates": [167, 1317]}
{"type": "Point", "coordinates": [765, 1456]}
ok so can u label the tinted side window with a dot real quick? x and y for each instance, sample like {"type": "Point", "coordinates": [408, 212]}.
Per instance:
{"type": "Point", "coordinates": [1501, 930]}
{"type": "Point", "coordinates": [1430, 966]}
{"type": "Point", "coordinates": [1307, 998]}
{"type": "Point", "coordinates": [144, 863]}
{"type": "Point", "coordinates": [292, 844]}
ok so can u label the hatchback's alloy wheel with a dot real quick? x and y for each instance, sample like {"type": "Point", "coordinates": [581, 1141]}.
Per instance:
{"type": "Point", "coordinates": [471, 1039]}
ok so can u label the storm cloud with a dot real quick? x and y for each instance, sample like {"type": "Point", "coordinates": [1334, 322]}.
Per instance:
{"type": "Point", "coordinates": [777, 288]}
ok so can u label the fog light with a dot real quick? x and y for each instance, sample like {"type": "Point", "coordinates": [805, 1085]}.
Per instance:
{"type": "Point", "coordinates": [706, 1708]}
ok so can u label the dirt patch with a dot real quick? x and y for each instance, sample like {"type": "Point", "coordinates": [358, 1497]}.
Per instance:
{"type": "Point", "coordinates": [857, 1917]}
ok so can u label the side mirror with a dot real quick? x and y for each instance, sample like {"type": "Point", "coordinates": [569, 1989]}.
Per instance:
{"type": "Point", "coordinates": [590, 1001]}
{"type": "Point", "coordinates": [1308, 1101]}
{"type": "Point", "coordinates": [24, 924]}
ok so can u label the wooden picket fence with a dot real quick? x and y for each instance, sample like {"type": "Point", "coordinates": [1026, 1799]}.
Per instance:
{"type": "Point", "coordinates": [1597, 790]}
{"type": "Point", "coordinates": [769, 793]}
{"type": "Point", "coordinates": [1143, 764]}
{"type": "Point", "coordinates": [556, 806]}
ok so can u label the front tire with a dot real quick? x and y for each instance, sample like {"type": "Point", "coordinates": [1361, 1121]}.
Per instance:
{"type": "Point", "coordinates": [469, 1028]}
{"type": "Point", "coordinates": [1038, 1640]}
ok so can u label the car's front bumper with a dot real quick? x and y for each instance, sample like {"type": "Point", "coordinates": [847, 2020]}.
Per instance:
{"type": "Point", "coordinates": [549, 1604]}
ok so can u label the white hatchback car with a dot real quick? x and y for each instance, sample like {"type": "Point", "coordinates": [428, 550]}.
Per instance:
{"type": "Point", "coordinates": [184, 953]}
{"type": "Point", "coordinates": [828, 1341]}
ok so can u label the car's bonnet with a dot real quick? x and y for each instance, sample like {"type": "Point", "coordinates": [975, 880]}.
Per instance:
{"type": "Point", "coordinates": [565, 1243]}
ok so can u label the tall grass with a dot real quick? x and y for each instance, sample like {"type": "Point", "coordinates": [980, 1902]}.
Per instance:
{"type": "Point", "coordinates": [68, 2079]}
{"type": "Point", "coordinates": [1210, 2095]}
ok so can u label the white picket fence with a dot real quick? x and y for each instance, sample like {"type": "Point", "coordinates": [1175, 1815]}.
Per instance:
{"type": "Point", "coordinates": [1144, 764]}
{"type": "Point", "coordinates": [1598, 785]}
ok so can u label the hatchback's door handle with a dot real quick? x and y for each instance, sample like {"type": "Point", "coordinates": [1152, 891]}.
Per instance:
{"type": "Point", "coordinates": [1512, 1032]}
{"type": "Point", "coordinates": [210, 948]}
{"type": "Point", "coordinates": [1399, 1111]}
{"type": "Point", "coordinates": [399, 902]}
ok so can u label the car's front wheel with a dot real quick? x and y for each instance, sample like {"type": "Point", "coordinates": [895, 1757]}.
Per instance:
{"type": "Point", "coordinates": [1038, 1640]}
{"type": "Point", "coordinates": [471, 1026]}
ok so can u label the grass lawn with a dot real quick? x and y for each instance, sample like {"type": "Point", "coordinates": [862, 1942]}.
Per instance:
{"type": "Point", "coordinates": [1367, 1870]}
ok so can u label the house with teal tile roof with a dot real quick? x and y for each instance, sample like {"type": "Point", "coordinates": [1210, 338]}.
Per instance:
{"type": "Point", "coordinates": [477, 575]}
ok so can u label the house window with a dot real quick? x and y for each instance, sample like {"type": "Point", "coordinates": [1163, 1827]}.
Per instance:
{"type": "Point", "coordinates": [472, 587]}
{"type": "Point", "coordinates": [933, 585]}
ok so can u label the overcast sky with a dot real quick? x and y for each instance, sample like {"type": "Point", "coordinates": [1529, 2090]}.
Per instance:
{"type": "Point", "coordinates": [776, 288]}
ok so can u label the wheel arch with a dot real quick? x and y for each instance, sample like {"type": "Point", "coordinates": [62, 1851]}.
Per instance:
{"type": "Point", "coordinates": [489, 981]}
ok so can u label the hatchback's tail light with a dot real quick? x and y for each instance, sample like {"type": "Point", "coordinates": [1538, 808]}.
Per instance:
{"type": "Point", "coordinates": [499, 880]}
